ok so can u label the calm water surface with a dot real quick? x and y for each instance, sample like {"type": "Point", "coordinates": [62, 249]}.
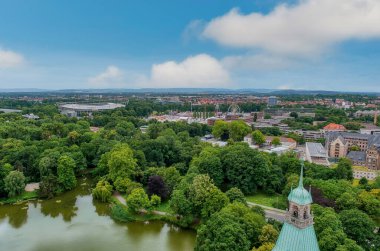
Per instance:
{"type": "Point", "coordinates": [73, 221]}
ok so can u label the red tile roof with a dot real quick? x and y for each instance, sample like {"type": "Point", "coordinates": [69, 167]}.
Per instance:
{"type": "Point", "coordinates": [334, 127]}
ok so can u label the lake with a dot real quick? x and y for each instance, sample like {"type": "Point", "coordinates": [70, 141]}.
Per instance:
{"type": "Point", "coordinates": [74, 221]}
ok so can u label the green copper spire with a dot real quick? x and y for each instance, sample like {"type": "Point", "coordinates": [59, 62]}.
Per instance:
{"type": "Point", "coordinates": [300, 195]}
{"type": "Point", "coordinates": [297, 233]}
{"type": "Point", "coordinates": [300, 183]}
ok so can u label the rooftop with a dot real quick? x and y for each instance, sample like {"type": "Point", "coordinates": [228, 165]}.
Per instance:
{"type": "Point", "coordinates": [334, 127]}
{"type": "Point", "coordinates": [90, 107]}
{"type": "Point", "coordinates": [316, 150]}
{"type": "Point", "coordinates": [357, 156]}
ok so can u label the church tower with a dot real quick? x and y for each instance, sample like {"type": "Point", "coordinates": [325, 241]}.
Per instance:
{"type": "Point", "coordinates": [297, 233]}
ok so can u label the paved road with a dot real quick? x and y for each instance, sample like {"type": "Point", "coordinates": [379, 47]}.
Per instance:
{"type": "Point", "coordinates": [271, 212]}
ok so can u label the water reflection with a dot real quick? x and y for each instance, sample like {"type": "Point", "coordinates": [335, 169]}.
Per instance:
{"type": "Point", "coordinates": [102, 209]}
{"type": "Point", "coordinates": [86, 226]}
{"type": "Point", "coordinates": [17, 214]}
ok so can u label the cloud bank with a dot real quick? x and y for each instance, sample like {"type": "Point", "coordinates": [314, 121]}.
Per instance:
{"type": "Point", "coordinates": [111, 77]}
{"type": "Point", "coordinates": [10, 59]}
{"type": "Point", "coordinates": [306, 29]}
{"type": "Point", "coordinates": [195, 71]}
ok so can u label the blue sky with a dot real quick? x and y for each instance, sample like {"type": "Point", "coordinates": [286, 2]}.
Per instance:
{"type": "Point", "coordinates": [310, 44]}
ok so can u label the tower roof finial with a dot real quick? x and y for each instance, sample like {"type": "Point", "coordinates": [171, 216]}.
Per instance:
{"type": "Point", "coordinates": [300, 184]}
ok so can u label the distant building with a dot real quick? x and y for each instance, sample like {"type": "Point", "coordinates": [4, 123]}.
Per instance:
{"type": "Point", "coordinates": [31, 116]}
{"type": "Point", "coordinates": [285, 142]}
{"type": "Point", "coordinates": [370, 129]}
{"type": "Point", "coordinates": [272, 100]}
{"type": "Point", "coordinates": [297, 233]}
{"type": "Point", "coordinates": [77, 110]}
{"type": "Point", "coordinates": [339, 144]}
{"type": "Point", "coordinates": [316, 153]}
{"type": "Point", "coordinates": [368, 174]}
{"type": "Point", "coordinates": [358, 158]}
{"type": "Point", "coordinates": [8, 110]}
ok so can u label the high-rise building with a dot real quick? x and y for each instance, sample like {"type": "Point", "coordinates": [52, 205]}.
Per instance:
{"type": "Point", "coordinates": [272, 100]}
{"type": "Point", "coordinates": [297, 233]}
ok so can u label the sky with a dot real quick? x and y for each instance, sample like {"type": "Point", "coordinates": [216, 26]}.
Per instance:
{"type": "Point", "coordinates": [271, 44]}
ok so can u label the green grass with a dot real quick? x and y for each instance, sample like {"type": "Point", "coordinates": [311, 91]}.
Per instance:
{"type": "Point", "coordinates": [267, 200]}
{"type": "Point", "coordinates": [355, 182]}
{"type": "Point", "coordinates": [22, 197]}
{"type": "Point", "coordinates": [164, 207]}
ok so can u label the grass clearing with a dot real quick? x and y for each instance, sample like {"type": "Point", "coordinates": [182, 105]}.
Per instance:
{"type": "Point", "coordinates": [275, 200]}
{"type": "Point", "coordinates": [164, 207]}
{"type": "Point", "coordinates": [22, 197]}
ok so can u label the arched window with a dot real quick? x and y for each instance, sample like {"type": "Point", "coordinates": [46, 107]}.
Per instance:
{"type": "Point", "coordinates": [295, 211]}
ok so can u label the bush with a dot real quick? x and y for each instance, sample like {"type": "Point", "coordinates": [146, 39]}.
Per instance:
{"type": "Point", "coordinates": [155, 200]}
{"type": "Point", "coordinates": [121, 184]}
{"type": "Point", "coordinates": [102, 191]}
{"type": "Point", "coordinates": [14, 183]}
{"type": "Point", "coordinates": [137, 200]}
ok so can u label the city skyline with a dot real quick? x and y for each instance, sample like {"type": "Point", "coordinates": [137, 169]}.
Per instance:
{"type": "Point", "coordinates": [313, 44]}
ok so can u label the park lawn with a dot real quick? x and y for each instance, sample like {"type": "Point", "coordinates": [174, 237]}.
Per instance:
{"type": "Point", "coordinates": [265, 199]}
{"type": "Point", "coordinates": [355, 182]}
{"type": "Point", "coordinates": [164, 207]}
{"type": "Point", "coordinates": [22, 197]}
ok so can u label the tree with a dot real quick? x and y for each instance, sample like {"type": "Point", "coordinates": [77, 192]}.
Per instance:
{"type": "Point", "coordinates": [363, 181]}
{"type": "Point", "coordinates": [347, 201]}
{"type": "Point", "coordinates": [180, 203]}
{"type": "Point", "coordinates": [157, 186]}
{"type": "Point", "coordinates": [48, 186]}
{"type": "Point", "coordinates": [369, 203]}
{"type": "Point", "coordinates": [122, 184]}
{"type": "Point", "coordinates": [276, 141]}
{"type": "Point", "coordinates": [258, 137]}
{"type": "Point", "coordinates": [205, 196]}
{"type": "Point", "coordinates": [137, 200]}
{"type": "Point", "coordinates": [324, 218]}
{"type": "Point", "coordinates": [65, 171]}
{"type": "Point", "coordinates": [47, 165]}
{"type": "Point", "coordinates": [354, 148]}
{"type": "Point", "coordinates": [209, 163]}
{"type": "Point", "coordinates": [236, 195]}
{"type": "Point", "coordinates": [155, 200]}
{"type": "Point", "coordinates": [294, 115]}
{"type": "Point", "coordinates": [235, 227]}
{"type": "Point", "coordinates": [268, 234]}
{"type": "Point", "coordinates": [221, 130]}
{"type": "Point", "coordinates": [14, 183]}
{"type": "Point", "coordinates": [102, 191]}
{"type": "Point", "coordinates": [264, 247]}
{"type": "Point", "coordinates": [329, 239]}
{"type": "Point", "coordinates": [344, 169]}
{"type": "Point", "coordinates": [358, 226]}
{"type": "Point", "coordinates": [244, 168]}
{"type": "Point", "coordinates": [221, 233]}
{"type": "Point", "coordinates": [121, 162]}
{"type": "Point", "coordinates": [4, 171]}
{"type": "Point", "coordinates": [349, 245]}
{"type": "Point", "coordinates": [238, 130]}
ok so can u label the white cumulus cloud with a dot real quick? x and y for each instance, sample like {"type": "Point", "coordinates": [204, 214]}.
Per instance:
{"type": "Point", "coordinates": [9, 59]}
{"type": "Point", "coordinates": [195, 71]}
{"type": "Point", "coordinates": [307, 28]}
{"type": "Point", "coordinates": [257, 62]}
{"type": "Point", "coordinates": [111, 77]}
